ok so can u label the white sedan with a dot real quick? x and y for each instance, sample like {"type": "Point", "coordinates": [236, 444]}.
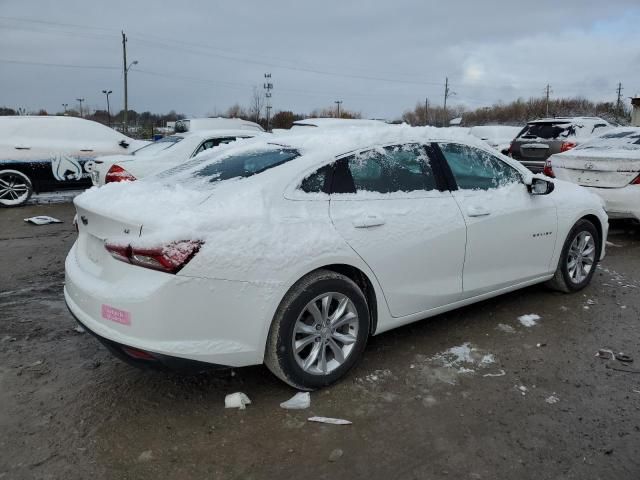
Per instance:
{"type": "Point", "coordinates": [293, 250]}
{"type": "Point", "coordinates": [609, 166]}
{"type": "Point", "coordinates": [162, 154]}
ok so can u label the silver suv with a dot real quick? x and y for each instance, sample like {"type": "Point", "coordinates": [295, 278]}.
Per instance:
{"type": "Point", "coordinates": [540, 139]}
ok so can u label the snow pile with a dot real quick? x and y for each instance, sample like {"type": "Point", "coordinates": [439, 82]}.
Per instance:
{"type": "Point", "coordinates": [529, 320]}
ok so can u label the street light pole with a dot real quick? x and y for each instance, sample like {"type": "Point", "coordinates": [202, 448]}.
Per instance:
{"type": "Point", "coordinates": [107, 92]}
{"type": "Point", "coordinates": [65, 105]}
{"type": "Point", "coordinates": [338, 103]}
{"type": "Point", "coordinates": [80, 100]}
{"type": "Point", "coordinates": [126, 71]}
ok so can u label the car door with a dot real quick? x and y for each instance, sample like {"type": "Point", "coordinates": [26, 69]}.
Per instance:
{"type": "Point", "coordinates": [511, 234]}
{"type": "Point", "coordinates": [388, 205]}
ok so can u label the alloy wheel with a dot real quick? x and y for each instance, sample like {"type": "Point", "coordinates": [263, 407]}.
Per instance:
{"type": "Point", "coordinates": [581, 257]}
{"type": "Point", "coordinates": [14, 189]}
{"type": "Point", "coordinates": [325, 333]}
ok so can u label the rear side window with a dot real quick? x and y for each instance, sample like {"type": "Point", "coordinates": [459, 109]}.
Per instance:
{"type": "Point", "coordinates": [475, 169]}
{"type": "Point", "coordinates": [401, 168]}
{"type": "Point", "coordinates": [213, 142]}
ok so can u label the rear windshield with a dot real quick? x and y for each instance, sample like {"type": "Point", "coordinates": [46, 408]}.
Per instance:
{"type": "Point", "coordinates": [239, 165]}
{"type": "Point", "coordinates": [548, 131]}
{"type": "Point", "coordinates": [158, 146]}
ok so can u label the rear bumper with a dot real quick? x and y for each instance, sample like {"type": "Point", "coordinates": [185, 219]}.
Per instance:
{"type": "Point", "coordinates": [620, 202]}
{"type": "Point", "coordinates": [144, 359]}
{"type": "Point", "coordinates": [211, 321]}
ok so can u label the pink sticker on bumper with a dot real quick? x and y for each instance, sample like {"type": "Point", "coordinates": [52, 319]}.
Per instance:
{"type": "Point", "coordinates": [115, 315]}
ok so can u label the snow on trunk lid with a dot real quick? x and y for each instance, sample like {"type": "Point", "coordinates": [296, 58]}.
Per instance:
{"type": "Point", "coordinates": [595, 172]}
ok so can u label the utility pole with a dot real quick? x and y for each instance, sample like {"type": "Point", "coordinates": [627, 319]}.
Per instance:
{"type": "Point", "coordinates": [80, 100]}
{"type": "Point", "coordinates": [547, 92]}
{"type": "Point", "coordinates": [426, 111]}
{"type": "Point", "coordinates": [124, 68]}
{"type": "Point", "coordinates": [338, 103]}
{"type": "Point", "coordinates": [619, 102]}
{"type": "Point", "coordinates": [107, 93]}
{"type": "Point", "coordinates": [65, 105]}
{"type": "Point", "coordinates": [268, 86]}
{"type": "Point", "coordinates": [447, 94]}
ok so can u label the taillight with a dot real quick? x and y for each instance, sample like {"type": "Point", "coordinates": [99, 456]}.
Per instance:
{"type": "Point", "coordinates": [548, 169]}
{"type": "Point", "coordinates": [170, 258]}
{"type": "Point", "coordinates": [566, 146]}
{"type": "Point", "coordinates": [635, 181]}
{"type": "Point", "coordinates": [118, 174]}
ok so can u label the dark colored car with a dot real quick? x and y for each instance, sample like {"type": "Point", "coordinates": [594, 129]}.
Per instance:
{"type": "Point", "coordinates": [47, 153]}
{"type": "Point", "coordinates": [540, 139]}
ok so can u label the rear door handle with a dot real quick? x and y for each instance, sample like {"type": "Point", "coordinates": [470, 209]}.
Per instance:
{"type": "Point", "coordinates": [477, 211]}
{"type": "Point", "coordinates": [368, 221]}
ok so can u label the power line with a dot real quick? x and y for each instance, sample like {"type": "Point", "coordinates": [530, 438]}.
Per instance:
{"type": "Point", "coordinates": [62, 65]}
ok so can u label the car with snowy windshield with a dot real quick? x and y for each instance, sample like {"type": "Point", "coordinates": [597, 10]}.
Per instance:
{"type": "Point", "coordinates": [609, 166]}
{"type": "Point", "coordinates": [50, 153]}
{"type": "Point", "coordinates": [540, 139]}
{"type": "Point", "coordinates": [293, 250]}
{"type": "Point", "coordinates": [161, 155]}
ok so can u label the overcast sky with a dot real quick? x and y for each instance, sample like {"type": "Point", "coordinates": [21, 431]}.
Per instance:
{"type": "Point", "coordinates": [380, 58]}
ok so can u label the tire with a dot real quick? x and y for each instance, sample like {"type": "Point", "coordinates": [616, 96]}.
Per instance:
{"type": "Point", "coordinates": [567, 278]}
{"type": "Point", "coordinates": [15, 188]}
{"type": "Point", "coordinates": [295, 322]}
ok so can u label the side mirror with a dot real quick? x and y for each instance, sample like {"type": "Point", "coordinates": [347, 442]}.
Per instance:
{"type": "Point", "coordinates": [123, 144]}
{"type": "Point", "coordinates": [540, 187]}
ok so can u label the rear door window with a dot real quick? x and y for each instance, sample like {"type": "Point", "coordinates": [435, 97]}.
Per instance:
{"type": "Point", "coordinates": [475, 169]}
{"type": "Point", "coordinates": [400, 168]}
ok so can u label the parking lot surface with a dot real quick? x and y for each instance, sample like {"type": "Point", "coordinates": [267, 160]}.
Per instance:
{"type": "Point", "coordinates": [478, 393]}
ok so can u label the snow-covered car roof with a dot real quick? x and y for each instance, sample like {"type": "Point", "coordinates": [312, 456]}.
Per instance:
{"type": "Point", "coordinates": [337, 122]}
{"type": "Point", "coordinates": [217, 123]}
{"type": "Point", "coordinates": [589, 120]}
{"type": "Point", "coordinates": [45, 130]}
{"type": "Point", "coordinates": [218, 133]}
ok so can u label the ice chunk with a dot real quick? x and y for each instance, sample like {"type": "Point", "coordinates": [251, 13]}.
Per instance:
{"type": "Point", "coordinates": [236, 400]}
{"type": "Point", "coordinates": [299, 401]}
{"type": "Point", "coordinates": [529, 320]}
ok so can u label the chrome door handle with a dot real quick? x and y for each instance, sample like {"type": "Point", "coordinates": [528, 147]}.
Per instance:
{"type": "Point", "coordinates": [368, 221]}
{"type": "Point", "coordinates": [476, 211]}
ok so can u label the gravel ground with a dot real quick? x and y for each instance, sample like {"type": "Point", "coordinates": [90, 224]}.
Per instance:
{"type": "Point", "coordinates": [473, 394]}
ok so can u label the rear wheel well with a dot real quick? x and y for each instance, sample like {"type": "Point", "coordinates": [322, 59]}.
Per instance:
{"type": "Point", "coordinates": [596, 223]}
{"type": "Point", "coordinates": [361, 279]}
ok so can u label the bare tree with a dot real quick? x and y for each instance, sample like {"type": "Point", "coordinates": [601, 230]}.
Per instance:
{"type": "Point", "coordinates": [256, 104]}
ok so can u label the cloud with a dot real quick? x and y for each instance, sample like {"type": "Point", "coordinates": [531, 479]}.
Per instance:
{"type": "Point", "coordinates": [378, 57]}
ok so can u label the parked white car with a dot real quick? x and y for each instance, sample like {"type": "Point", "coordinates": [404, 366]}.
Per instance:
{"type": "Point", "coordinates": [215, 123]}
{"type": "Point", "coordinates": [609, 166]}
{"type": "Point", "coordinates": [161, 155]}
{"type": "Point", "coordinates": [293, 250]}
{"type": "Point", "coordinates": [49, 153]}
{"type": "Point", "coordinates": [497, 136]}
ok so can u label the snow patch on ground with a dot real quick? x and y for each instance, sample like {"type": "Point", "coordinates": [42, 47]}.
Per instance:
{"type": "Point", "coordinates": [529, 320]}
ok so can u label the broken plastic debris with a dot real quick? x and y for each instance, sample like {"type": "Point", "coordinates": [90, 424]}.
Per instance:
{"type": "Point", "coordinates": [523, 389]}
{"type": "Point", "coordinates": [236, 400]}
{"type": "Point", "coordinates": [42, 220]}
{"type": "Point", "coordinates": [79, 329]}
{"type": "Point", "coordinates": [501, 374]}
{"type": "Point", "coordinates": [332, 421]}
{"type": "Point", "coordinates": [299, 401]}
